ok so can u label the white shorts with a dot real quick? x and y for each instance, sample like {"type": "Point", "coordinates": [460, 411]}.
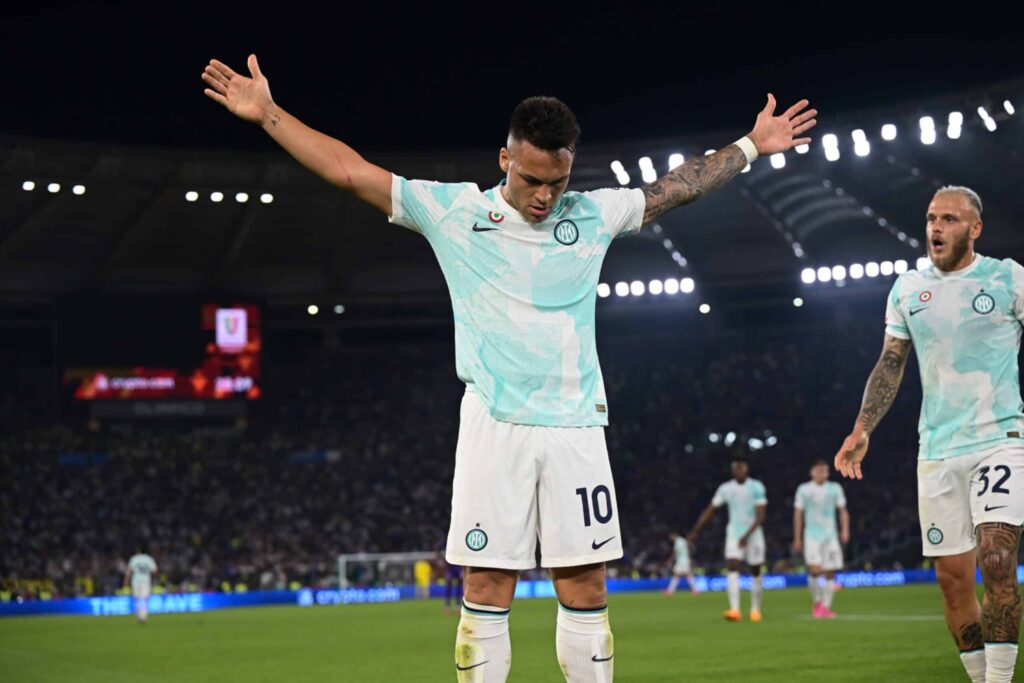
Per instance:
{"type": "Point", "coordinates": [140, 592]}
{"type": "Point", "coordinates": [681, 568]}
{"type": "Point", "coordinates": [957, 494]}
{"type": "Point", "coordinates": [826, 554]}
{"type": "Point", "coordinates": [517, 484]}
{"type": "Point", "coordinates": [752, 553]}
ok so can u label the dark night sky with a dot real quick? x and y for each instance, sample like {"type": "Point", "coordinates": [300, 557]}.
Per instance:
{"type": "Point", "coordinates": [447, 76]}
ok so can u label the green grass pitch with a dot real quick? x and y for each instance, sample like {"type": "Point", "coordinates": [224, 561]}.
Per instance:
{"type": "Point", "coordinates": [883, 634]}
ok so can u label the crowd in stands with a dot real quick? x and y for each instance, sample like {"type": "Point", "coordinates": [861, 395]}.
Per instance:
{"type": "Point", "coordinates": [353, 451]}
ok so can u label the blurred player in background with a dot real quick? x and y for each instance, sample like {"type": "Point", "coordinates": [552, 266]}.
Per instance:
{"type": "Point", "coordinates": [744, 537]}
{"type": "Point", "coordinates": [522, 261]}
{"type": "Point", "coordinates": [681, 565]}
{"type": "Point", "coordinates": [139, 575]}
{"type": "Point", "coordinates": [963, 315]}
{"type": "Point", "coordinates": [815, 534]}
{"type": "Point", "coordinates": [423, 575]}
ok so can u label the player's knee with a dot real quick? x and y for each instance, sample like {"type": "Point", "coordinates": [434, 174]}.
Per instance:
{"type": "Point", "coordinates": [957, 586]}
{"type": "Point", "coordinates": [581, 587]}
{"type": "Point", "coordinates": [998, 563]}
{"type": "Point", "coordinates": [493, 587]}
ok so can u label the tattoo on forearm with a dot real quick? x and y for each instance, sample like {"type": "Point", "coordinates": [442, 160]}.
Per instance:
{"type": "Point", "coordinates": [1001, 608]}
{"type": "Point", "coordinates": [275, 120]}
{"type": "Point", "coordinates": [970, 637]}
{"type": "Point", "coordinates": [692, 180]}
{"type": "Point", "coordinates": [884, 383]}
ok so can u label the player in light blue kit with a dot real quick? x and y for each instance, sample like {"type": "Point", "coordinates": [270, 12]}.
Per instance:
{"type": "Point", "coordinates": [139, 574]}
{"type": "Point", "coordinates": [681, 565]}
{"type": "Point", "coordinates": [816, 536]}
{"type": "Point", "coordinates": [744, 537]}
{"type": "Point", "coordinates": [522, 261]}
{"type": "Point", "coordinates": [963, 315]}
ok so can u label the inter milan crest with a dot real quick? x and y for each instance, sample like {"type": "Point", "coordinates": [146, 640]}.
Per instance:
{"type": "Point", "coordinates": [984, 303]}
{"type": "Point", "coordinates": [566, 232]}
{"type": "Point", "coordinates": [476, 540]}
{"type": "Point", "coordinates": [935, 535]}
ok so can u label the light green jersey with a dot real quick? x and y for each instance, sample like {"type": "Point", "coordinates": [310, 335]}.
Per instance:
{"type": "Point", "coordinates": [143, 568]}
{"type": "Point", "coordinates": [966, 330]}
{"type": "Point", "coordinates": [523, 295]}
{"type": "Point", "coordinates": [742, 500]}
{"type": "Point", "coordinates": [681, 549]}
{"type": "Point", "coordinates": [819, 503]}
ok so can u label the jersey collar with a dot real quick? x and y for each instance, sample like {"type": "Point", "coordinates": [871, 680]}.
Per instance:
{"type": "Point", "coordinates": [507, 208]}
{"type": "Point", "coordinates": [954, 274]}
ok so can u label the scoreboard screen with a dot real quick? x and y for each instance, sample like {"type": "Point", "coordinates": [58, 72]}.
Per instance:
{"type": "Point", "coordinates": [228, 365]}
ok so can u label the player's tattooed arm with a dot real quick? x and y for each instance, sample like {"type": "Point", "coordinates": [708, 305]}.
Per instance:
{"type": "Point", "coordinates": [692, 180]}
{"type": "Point", "coordinates": [1001, 609]}
{"type": "Point", "coordinates": [884, 382]}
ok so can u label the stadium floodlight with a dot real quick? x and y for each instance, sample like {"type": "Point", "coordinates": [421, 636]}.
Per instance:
{"type": "Point", "coordinates": [889, 132]}
{"type": "Point", "coordinates": [312, 309]}
{"type": "Point", "coordinates": [802, 149]}
{"type": "Point", "coordinates": [621, 289]}
{"type": "Point", "coordinates": [824, 274]}
{"type": "Point", "coordinates": [617, 167]}
{"type": "Point", "coordinates": [990, 124]}
{"type": "Point", "coordinates": [858, 135]}
{"type": "Point", "coordinates": [886, 268]}
{"type": "Point", "coordinates": [829, 140]}
{"type": "Point", "coordinates": [667, 243]}
{"type": "Point", "coordinates": [808, 276]}
{"type": "Point", "coordinates": [216, 196]}
{"type": "Point", "coordinates": [191, 196]}
{"type": "Point", "coordinates": [53, 188]}
{"type": "Point", "coordinates": [705, 309]}
{"type": "Point", "coordinates": [603, 290]}
{"type": "Point", "coordinates": [798, 302]}
{"type": "Point", "coordinates": [899, 267]}
{"type": "Point", "coordinates": [901, 236]}
{"type": "Point", "coordinates": [778, 160]}
{"type": "Point", "coordinates": [913, 242]}
{"type": "Point", "coordinates": [956, 119]}
{"type": "Point", "coordinates": [28, 186]}
{"type": "Point", "coordinates": [832, 153]}
{"type": "Point", "coordinates": [1008, 107]}
{"type": "Point", "coordinates": [928, 136]}
{"type": "Point", "coordinates": [798, 251]}
{"type": "Point", "coordinates": [78, 190]}
{"type": "Point", "coordinates": [871, 269]}
{"type": "Point", "coordinates": [856, 271]}
{"type": "Point", "coordinates": [771, 441]}
{"type": "Point", "coordinates": [647, 172]}
{"type": "Point", "coordinates": [730, 439]}
{"type": "Point", "coordinates": [266, 197]}
{"type": "Point", "coordinates": [923, 262]}
{"type": "Point", "coordinates": [862, 148]}
{"type": "Point", "coordinates": [927, 123]}
{"type": "Point", "coordinates": [953, 132]}
{"type": "Point", "coordinates": [713, 437]}
{"type": "Point", "coordinates": [675, 160]}
{"type": "Point", "coordinates": [655, 287]}
{"type": "Point", "coordinates": [339, 309]}
{"type": "Point", "coordinates": [755, 444]}
{"type": "Point", "coordinates": [672, 286]}
{"type": "Point", "coordinates": [241, 197]}
{"type": "Point", "coordinates": [838, 272]}
{"type": "Point", "coordinates": [686, 285]}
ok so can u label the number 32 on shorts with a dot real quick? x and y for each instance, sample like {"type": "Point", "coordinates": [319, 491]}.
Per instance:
{"type": "Point", "coordinates": [1001, 473]}
{"type": "Point", "coordinates": [599, 499]}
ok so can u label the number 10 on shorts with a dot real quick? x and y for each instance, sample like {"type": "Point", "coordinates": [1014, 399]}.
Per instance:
{"type": "Point", "coordinates": [599, 500]}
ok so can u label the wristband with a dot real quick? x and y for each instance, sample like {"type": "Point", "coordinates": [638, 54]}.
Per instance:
{"type": "Point", "coordinates": [748, 147]}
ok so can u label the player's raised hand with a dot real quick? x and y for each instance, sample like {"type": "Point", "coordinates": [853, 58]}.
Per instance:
{"type": "Point", "coordinates": [246, 97]}
{"type": "Point", "coordinates": [851, 454]}
{"type": "Point", "coordinates": [773, 133]}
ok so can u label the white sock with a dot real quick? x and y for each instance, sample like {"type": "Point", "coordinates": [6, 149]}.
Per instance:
{"type": "Point", "coordinates": [974, 664]}
{"type": "Point", "coordinates": [755, 594]}
{"type": "Point", "coordinates": [733, 589]}
{"type": "Point", "coordinates": [141, 608]}
{"type": "Point", "coordinates": [672, 584]}
{"type": "Point", "coordinates": [813, 586]}
{"type": "Point", "coordinates": [1000, 659]}
{"type": "Point", "coordinates": [693, 582]}
{"type": "Point", "coordinates": [585, 645]}
{"type": "Point", "coordinates": [483, 651]}
{"type": "Point", "coordinates": [828, 592]}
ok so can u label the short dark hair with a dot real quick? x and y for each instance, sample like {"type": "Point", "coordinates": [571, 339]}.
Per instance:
{"type": "Point", "coordinates": [819, 461]}
{"type": "Point", "coordinates": [546, 123]}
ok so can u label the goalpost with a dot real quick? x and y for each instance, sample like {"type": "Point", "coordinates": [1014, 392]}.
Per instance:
{"type": "Point", "coordinates": [379, 569]}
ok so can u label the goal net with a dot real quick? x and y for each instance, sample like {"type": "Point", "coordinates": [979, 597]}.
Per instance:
{"type": "Point", "coordinates": [380, 569]}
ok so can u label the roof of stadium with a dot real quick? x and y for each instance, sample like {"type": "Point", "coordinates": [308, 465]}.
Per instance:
{"type": "Point", "coordinates": [137, 139]}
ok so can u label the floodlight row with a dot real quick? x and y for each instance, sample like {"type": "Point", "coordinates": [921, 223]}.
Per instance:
{"type": "Point", "coordinates": [857, 271]}
{"type": "Point", "coordinates": [52, 187]}
{"type": "Point", "coordinates": [217, 197]}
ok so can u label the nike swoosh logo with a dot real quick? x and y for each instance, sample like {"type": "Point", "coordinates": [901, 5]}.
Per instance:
{"type": "Point", "coordinates": [915, 311]}
{"type": "Point", "coordinates": [467, 668]}
{"type": "Point", "coordinates": [477, 228]}
{"type": "Point", "coordinates": [595, 658]}
{"type": "Point", "coordinates": [997, 507]}
{"type": "Point", "coordinates": [596, 546]}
